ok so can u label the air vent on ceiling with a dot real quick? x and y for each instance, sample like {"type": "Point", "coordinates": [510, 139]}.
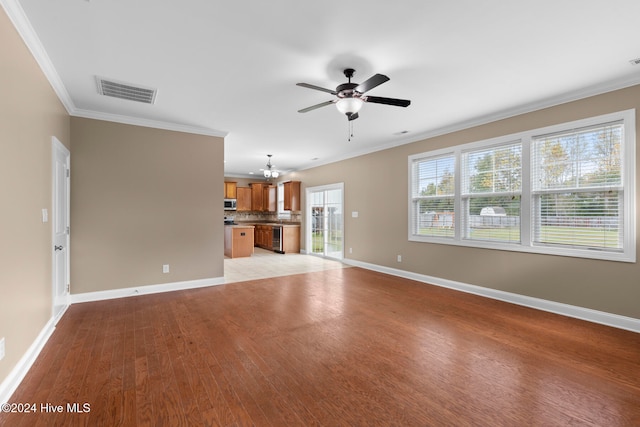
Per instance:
{"type": "Point", "coordinates": [126, 91]}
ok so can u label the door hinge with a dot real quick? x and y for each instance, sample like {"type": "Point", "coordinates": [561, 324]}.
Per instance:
{"type": "Point", "coordinates": [68, 230]}
{"type": "Point", "coordinates": [68, 288]}
{"type": "Point", "coordinates": [68, 173]}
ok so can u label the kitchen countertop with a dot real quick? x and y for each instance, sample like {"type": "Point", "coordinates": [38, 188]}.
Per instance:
{"type": "Point", "coordinates": [273, 224]}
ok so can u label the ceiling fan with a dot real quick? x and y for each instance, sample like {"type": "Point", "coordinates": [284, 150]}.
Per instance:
{"type": "Point", "coordinates": [351, 96]}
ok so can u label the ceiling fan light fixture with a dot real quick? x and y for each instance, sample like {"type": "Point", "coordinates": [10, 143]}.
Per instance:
{"type": "Point", "coordinates": [349, 106]}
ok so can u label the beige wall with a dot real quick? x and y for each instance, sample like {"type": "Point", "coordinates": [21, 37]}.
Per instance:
{"type": "Point", "coordinates": [30, 114]}
{"type": "Point", "coordinates": [141, 198]}
{"type": "Point", "coordinates": [376, 187]}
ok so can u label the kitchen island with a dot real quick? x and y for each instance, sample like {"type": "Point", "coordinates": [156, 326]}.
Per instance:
{"type": "Point", "coordinates": [238, 240]}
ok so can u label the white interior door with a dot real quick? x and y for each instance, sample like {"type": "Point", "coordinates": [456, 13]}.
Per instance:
{"type": "Point", "coordinates": [60, 227]}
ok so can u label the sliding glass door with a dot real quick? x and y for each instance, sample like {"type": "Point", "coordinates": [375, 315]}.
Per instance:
{"type": "Point", "coordinates": [325, 227]}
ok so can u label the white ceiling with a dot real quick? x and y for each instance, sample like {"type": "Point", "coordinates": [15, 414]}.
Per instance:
{"type": "Point", "coordinates": [231, 67]}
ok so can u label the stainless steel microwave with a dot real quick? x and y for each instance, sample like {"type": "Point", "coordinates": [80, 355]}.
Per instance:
{"type": "Point", "coordinates": [229, 204]}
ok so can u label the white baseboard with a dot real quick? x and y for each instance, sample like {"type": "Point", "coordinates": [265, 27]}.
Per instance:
{"type": "Point", "coordinates": [17, 374]}
{"type": "Point", "coordinates": [595, 316]}
{"type": "Point", "coordinates": [144, 290]}
{"type": "Point", "coordinates": [11, 383]}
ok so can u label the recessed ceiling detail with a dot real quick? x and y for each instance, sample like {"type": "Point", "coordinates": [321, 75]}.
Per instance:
{"type": "Point", "coordinates": [126, 91]}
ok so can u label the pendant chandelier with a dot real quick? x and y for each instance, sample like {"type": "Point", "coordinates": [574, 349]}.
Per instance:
{"type": "Point", "coordinates": [269, 172]}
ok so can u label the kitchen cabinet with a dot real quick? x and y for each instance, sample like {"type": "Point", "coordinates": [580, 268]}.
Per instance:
{"type": "Point", "coordinates": [269, 203]}
{"type": "Point", "coordinates": [292, 196]}
{"type": "Point", "coordinates": [238, 240]}
{"type": "Point", "coordinates": [230, 190]}
{"type": "Point", "coordinates": [257, 195]}
{"type": "Point", "coordinates": [263, 197]}
{"type": "Point", "coordinates": [290, 237]}
{"type": "Point", "coordinates": [263, 236]}
{"type": "Point", "coordinates": [243, 202]}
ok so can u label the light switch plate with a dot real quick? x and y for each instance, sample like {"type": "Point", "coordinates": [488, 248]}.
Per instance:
{"type": "Point", "coordinates": [354, 214]}
{"type": "Point", "coordinates": [45, 215]}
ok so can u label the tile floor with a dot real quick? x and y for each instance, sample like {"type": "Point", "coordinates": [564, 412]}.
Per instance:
{"type": "Point", "coordinates": [263, 264]}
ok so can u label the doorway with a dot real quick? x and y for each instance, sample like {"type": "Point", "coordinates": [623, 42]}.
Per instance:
{"type": "Point", "coordinates": [325, 227]}
{"type": "Point", "coordinates": [60, 227]}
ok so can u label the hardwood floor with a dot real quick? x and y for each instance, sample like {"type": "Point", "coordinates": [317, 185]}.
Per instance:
{"type": "Point", "coordinates": [343, 347]}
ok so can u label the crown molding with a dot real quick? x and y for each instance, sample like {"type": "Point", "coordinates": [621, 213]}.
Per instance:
{"type": "Point", "coordinates": [564, 98]}
{"type": "Point", "coordinates": [16, 14]}
{"type": "Point", "coordinates": [594, 90]}
{"type": "Point", "coordinates": [156, 124]}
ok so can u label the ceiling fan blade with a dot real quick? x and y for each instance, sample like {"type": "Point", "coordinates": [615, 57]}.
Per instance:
{"type": "Point", "coordinates": [374, 81]}
{"type": "Point", "coordinates": [309, 86]}
{"type": "Point", "coordinates": [313, 107]}
{"type": "Point", "coordinates": [388, 101]}
{"type": "Point", "coordinates": [353, 116]}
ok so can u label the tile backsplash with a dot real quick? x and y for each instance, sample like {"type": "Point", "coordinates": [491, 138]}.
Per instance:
{"type": "Point", "coordinates": [261, 216]}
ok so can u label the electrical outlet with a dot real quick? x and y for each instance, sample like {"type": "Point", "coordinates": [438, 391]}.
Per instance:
{"type": "Point", "coordinates": [165, 268]}
{"type": "Point", "coordinates": [399, 258]}
{"type": "Point", "coordinates": [2, 348]}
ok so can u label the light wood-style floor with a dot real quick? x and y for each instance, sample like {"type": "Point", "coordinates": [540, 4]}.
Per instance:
{"type": "Point", "coordinates": [339, 347]}
{"type": "Point", "coordinates": [263, 264]}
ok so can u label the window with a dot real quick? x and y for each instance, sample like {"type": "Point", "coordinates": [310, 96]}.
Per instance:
{"type": "Point", "coordinates": [433, 196]}
{"type": "Point", "coordinates": [492, 182]}
{"type": "Point", "coordinates": [577, 188]}
{"type": "Point", "coordinates": [563, 190]}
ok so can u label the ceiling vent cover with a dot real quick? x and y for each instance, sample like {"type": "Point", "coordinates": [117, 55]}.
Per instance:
{"type": "Point", "coordinates": [126, 91]}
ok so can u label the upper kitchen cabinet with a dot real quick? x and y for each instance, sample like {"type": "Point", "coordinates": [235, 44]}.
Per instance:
{"type": "Point", "coordinates": [230, 190]}
{"type": "Point", "coordinates": [243, 203]}
{"type": "Point", "coordinates": [257, 195]}
{"type": "Point", "coordinates": [269, 202]}
{"type": "Point", "coordinates": [292, 196]}
{"type": "Point", "coordinates": [263, 197]}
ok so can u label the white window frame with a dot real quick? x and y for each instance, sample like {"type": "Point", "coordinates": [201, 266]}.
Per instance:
{"type": "Point", "coordinates": [466, 195]}
{"type": "Point", "coordinates": [628, 149]}
{"type": "Point", "coordinates": [414, 196]}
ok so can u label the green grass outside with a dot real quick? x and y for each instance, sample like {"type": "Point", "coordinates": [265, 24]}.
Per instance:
{"type": "Point", "coordinates": [317, 242]}
{"type": "Point", "coordinates": [582, 236]}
